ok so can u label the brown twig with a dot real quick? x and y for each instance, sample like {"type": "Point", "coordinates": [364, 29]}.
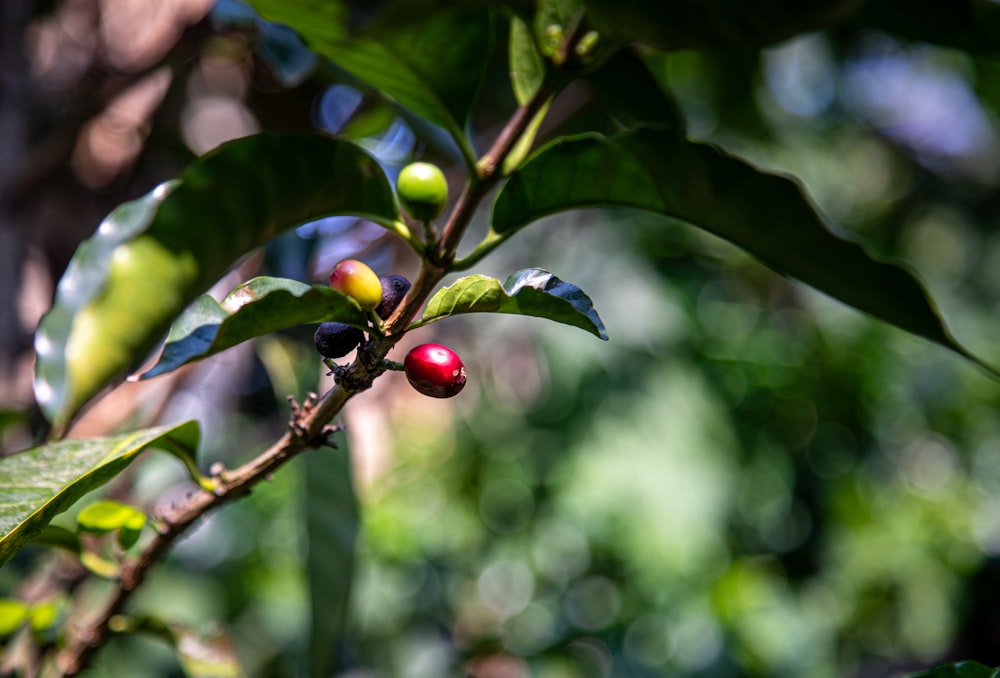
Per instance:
{"type": "Point", "coordinates": [308, 428]}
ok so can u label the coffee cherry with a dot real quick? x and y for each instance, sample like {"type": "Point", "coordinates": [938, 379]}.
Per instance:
{"type": "Point", "coordinates": [394, 288]}
{"type": "Point", "coordinates": [435, 370]}
{"type": "Point", "coordinates": [335, 340]}
{"type": "Point", "coordinates": [354, 279]}
{"type": "Point", "coordinates": [422, 190]}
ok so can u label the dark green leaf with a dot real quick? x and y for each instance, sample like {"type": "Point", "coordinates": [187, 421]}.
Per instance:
{"type": "Point", "coordinates": [256, 307]}
{"type": "Point", "coordinates": [432, 67]}
{"type": "Point", "coordinates": [627, 90]}
{"type": "Point", "coordinates": [619, 92]}
{"type": "Point", "coordinates": [151, 258]}
{"type": "Point", "coordinates": [428, 55]}
{"type": "Point", "coordinates": [128, 536]}
{"type": "Point", "coordinates": [319, 21]}
{"type": "Point", "coordinates": [959, 670]}
{"type": "Point", "coordinates": [686, 24]}
{"type": "Point", "coordinates": [766, 215]}
{"type": "Point", "coordinates": [38, 484]}
{"type": "Point", "coordinates": [372, 117]}
{"type": "Point", "coordinates": [971, 25]}
{"type": "Point", "coordinates": [332, 520]}
{"type": "Point", "coordinates": [53, 535]}
{"type": "Point", "coordinates": [531, 292]}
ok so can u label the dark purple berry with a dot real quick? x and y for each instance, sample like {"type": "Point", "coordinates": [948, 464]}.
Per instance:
{"type": "Point", "coordinates": [394, 288]}
{"type": "Point", "coordinates": [335, 340]}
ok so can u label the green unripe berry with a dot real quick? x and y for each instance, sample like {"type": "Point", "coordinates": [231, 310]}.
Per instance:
{"type": "Point", "coordinates": [422, 190]}
{"type": "Point", "coordinates": [354, 279]}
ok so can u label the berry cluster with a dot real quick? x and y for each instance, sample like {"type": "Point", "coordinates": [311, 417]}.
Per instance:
{"type": "Point", "coordinates": [356, 280]}
{"type": "Point", "coordinates": [431, 369]}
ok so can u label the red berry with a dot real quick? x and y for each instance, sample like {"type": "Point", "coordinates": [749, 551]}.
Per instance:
{"type": "Point", "coordinates": [435, 370]}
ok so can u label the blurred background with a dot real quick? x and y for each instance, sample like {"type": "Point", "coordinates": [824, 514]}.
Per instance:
{"type": "Point", "coordinates": [749, 479]}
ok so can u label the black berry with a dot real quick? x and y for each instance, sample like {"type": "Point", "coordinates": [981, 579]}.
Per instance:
{"type": "Point", "coordinates": [394, 288]}
{"type": "Point", "coordinates": [335, 340]}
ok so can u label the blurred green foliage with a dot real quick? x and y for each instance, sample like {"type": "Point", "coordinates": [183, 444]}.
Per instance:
{"type": "Point", "coordinates": [750, 479]}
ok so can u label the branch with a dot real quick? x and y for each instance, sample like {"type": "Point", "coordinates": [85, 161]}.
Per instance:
{"type": "Point", "coordinates": [488, 175]}
{"type": "Point", "coordinates": [438, 261]}
{"type": "Point", "coordinates": [309, 426]}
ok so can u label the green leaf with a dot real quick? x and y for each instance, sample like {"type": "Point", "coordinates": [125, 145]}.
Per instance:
{"type": "Point", "coordinates": [959, 670]}
{"type": "Point", "coordinates": [321, 22]}
{"type": "Point", "coordinates": [105, 516]}
{"type": "Point", "coordinates": [766, 215]}
{"type": "Point", "coordinates": [712, 24]}
{"type": "Point", "coordinates": [46, 614]}
{"type": "Point", "coordinates": [151, 258]}
{"type": "Point", "coordinates": [527, 70]}
{"type": "Point", "coordinates": [620, 92]}
{"type": "Point", "coordinates": [531, 292]}
{"type": "Point", "coordinates": [38, 484]}
{"type": "Point", "coordinates": [13, 613]}
{"type": "Point", "coordinates": [99, 565]}
{"type": "Point", "coordinates": [626, 89]}
{"type": "Point", "coordinates": [372, 117]}
{"type": "Point", "coordinates": [970, 25]}
{"type": "Point", "coordinates": [431, 65]}
{"type": "Point", "coordinates": [128, 537]}
{"type": "Point", "coordinates": [332, 525]}
{"type": "Point", "coordinates": [259, 306]}
{"type": "Point", "coordinates": [428, 55]}
{"type": "Point", "coordinates": [60, 537]}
